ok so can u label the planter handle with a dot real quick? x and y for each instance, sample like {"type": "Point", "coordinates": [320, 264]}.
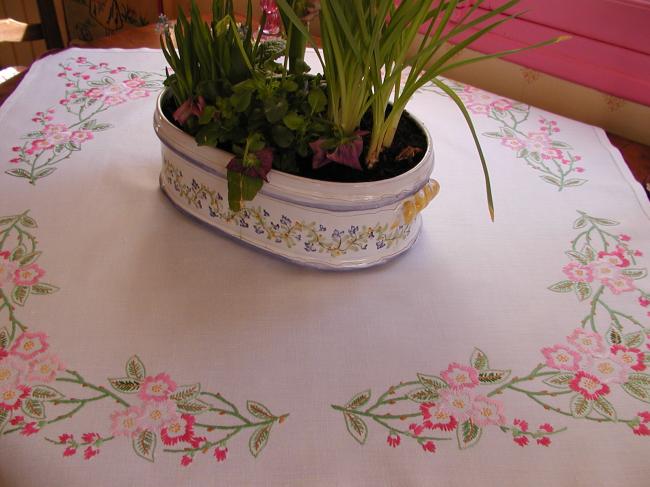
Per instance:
{"type": "Point", "coordinates": [413, 205]}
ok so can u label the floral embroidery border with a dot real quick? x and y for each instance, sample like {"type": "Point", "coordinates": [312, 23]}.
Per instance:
{"type": "Point", "coordinates": [90, 90]}
{"type": "Point", "coordinates": [575, 380]}
{"type": "Point", "coordinates": [160, 411]}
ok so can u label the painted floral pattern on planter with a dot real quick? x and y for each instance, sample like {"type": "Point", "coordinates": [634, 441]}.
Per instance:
{"type": "Point", "coordinates": [90, 89]}
{"type": "Point", "coordinates": [584, 377]}
{"type": "Point", "coordinates": [285, 231]}
{"type": "Point", "coordinates": [153, 412]}
{"type": "Point", "coordinates": [534, 143]}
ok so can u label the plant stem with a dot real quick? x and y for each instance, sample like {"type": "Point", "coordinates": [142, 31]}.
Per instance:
{"type": "Point", "coordinates": [78, 379]}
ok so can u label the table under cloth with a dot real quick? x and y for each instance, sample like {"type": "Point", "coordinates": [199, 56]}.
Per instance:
{"type": "Point", "coordinates": [138, 347]}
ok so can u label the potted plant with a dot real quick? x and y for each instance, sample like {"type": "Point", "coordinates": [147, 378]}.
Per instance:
{"type": "Point", "coordinates": [323, 169]}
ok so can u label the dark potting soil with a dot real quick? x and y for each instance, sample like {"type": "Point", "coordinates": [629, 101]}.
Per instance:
{"type": "Point", "coordinates": [408, 149]}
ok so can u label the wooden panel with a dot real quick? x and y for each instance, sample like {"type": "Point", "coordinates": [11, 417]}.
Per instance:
{"type": "Point", "coordinates": [7, 55]}
{"type": "Point", "coordinates": [22, 51]}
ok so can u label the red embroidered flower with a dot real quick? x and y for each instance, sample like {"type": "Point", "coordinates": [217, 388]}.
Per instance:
{"type": "Point", "coordinates": [90, 437]}
{"type": "Point", "coordinates": [393, 439]}
{"type": "Point", "coordinates": [90, 452]}
{"type": "Point", "coordinates": [16, 420]}
{"type": "Point", "coordinates": [12, 397]}
{"type": "Point", "coordinates": [69, 451]}
{"type": "Point", "coordinates": [65, 437]}
{"type": "Point", "coordinates": [588, 385]}
{"type": "Point", "coordinates": [546, 427]}
{"type": "Point", "coordinates": [544, 441]}
{"type": "Point", "coordinates": [3, 353]}
{"type": "Point", "coordinates": [220, 453]}
{"type": "Point", "coordinates": [521, 440]}
{"type": "Point", "coordinates": [522, 424]}
{"type": "Point", "coordinates": [632, 357]}
{"type": "Point", "coordinates": [429, 446]}
{"type": "Point", "coordinates": [186, 460]}
{"type": "Point", "coordinates": [29, 429]}
{"type": "Point", "coordinates": [642, 428]}
{"type": "Point", "coordinates": [180, 429]}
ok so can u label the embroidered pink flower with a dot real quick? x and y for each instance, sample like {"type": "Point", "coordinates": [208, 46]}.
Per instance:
{"type": "Point", "coordinates": [460, 376]}
{"type": "Point", "coordinates": [486, 411]}
{"type": "Point", "coordinates": [616, 258]}
{"type": "Point", "coordinates": [435, 418]}
{"type": "Point", "coordinates": [578, 273]}
{"type": "Point", "coordinates": [11, 397]}
{"type": "Point", "coordinates": [29, 345]}
{"type": "Point", "coordinates": [44, 368]}
{"type": "Point", "coordinates": [57, 138]}
{"type": "Point", "coordinates": [41, 144]}
{"type": "Point", "coordinates": [631, 357]}
{"type": "Point", "coordinates": [458, 404]}
{"type": "Point", "coordinates": [69, 451]}
{"type": "Point", "coordinates": [512, 143]}
{"type": "Point", "coordinates": [94, 93]}
{"type": "Point", "coordinates": [393, 439]}
{"type": "Point", "coordinates": [429, 446]}
{"type": "Point", "coordinates": [220, 453]}
{"type": "Point", "coordinates": [90, 452]}
{"type": "Point", "coordinates": [65, 437]}
{"type": "Point", "coordinates": [521, 424]}
{"type": "Point", "coordinates": [607, 368]}
{"type": "Point", "coordinates": [478, 108]}
{"type": "Point", "coordinates": [642, 300]}
{"type": "Point", "coordinates": [114, 100]}
{"type": "Point", "coordinates": [134, 82]}
{"type": "Point", "coordinates": [125, 422]}
{"type": "Point", "coordinates": [501, 104]}
{"type": "Point", "coordinates": [619, 284]}
{"type": "Point", "coordinates": [12, 372]}
{"type": "Point", "coordinates": [179, 430]}
{"type": "Point", "coordinates": [3, 353]}
{"type": "Point", "coordinates": [546, 427]}
{"type": "Point", "coordinates": [642, 429]}
{"type": "Point", "coordinates": [7, 269]}
{"type": "Point", "coordinates": [561, 357]}
{"type": "Point", "coordinates": [16, 420]}
{"type": "Point", "coordinates": [624, 237]}
{"type": "Point", "coordinates": [586, 342]}
{"type": "Point", "coordinates": [544, 441]}
{"type": "Point", "coordinates": [90, 437]}
{"type": "Point", "coordinates": [538, 141]}
{"type": "Point", "coordinates": [80, 136]}
{"type": "Point", "coordinates": [29, 429]}
{"type": "Point", "coordinates": [156, 388]}
{"type": "Point", "coordinates": [157, 415]}
{"type": "Point", "coordinates": [28, 275]}
{"type": "Point", "coordinates": [137, 93]}
{"type": "Point", "coordinates": [521, 440]}
{"type": "Point", "coordinates": [588, 385]}
{"type": "Point", "coordinates": [186, 460]}
{"type": "Point", "coordinates": [603, 270]}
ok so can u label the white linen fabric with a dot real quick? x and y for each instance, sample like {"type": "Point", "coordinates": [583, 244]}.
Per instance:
{"type": "Point", "coordinates": [141, 348]}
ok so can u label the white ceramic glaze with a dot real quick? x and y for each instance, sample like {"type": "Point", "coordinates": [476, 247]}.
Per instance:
{"type": "Point", "coordinates": [317, 223]}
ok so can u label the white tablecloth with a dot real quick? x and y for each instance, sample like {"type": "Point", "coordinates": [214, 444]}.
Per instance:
{"type": "Point", "coordinates": [140, 348]}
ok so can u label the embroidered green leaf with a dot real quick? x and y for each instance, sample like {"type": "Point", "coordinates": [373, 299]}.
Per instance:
{"type": "Point", "coordinates": [186, 393]}
{"type": "Point", "coordinates": [358, 400]}
{"type": "Point", "coordinates": [144, 445]}
{"type": "Point", "coordinates": [574, 182]}
{"type": "Point", "coordinates": [5, 416]}
{"type": "Point", "coordinates": [583, 290]}
{"type": "Point", "coordinates": [46, 393]}
{"type": "Point", "coordinates": [432, 381]}
{"type": "Point", "coordinates": [551, 179]}
{"type": "Point", "coordinates": [259, 439]}
{"type": "Point", "coordinates": [493, 376]}
{"type": "Point", "coordinates": [560, 380]}
{"type": "Point", "coordinates": [44, 172]}
{"type": "Point", "coordinates": [18, 172]}
{"type": "Point", "coordinates": [589, 253]}
{"type": "Point", "coordinates": [635, 273]}
{"type": "Point", "coordinates": [479, 360]}
{"type": "Point", "coordinates": [603, 407]}
{"type": "Point", "coordinates": [6, 220]}
{"type": "Point", "coordinates": [493, 135]}
{"type": "Point", "coordinates": [28, 221]}
{"type": "Point", "coordinates": [259, 410]}
{"type": "Point", "coordinates": [613, 336]}
{"type": "Point", "coordinates": [18, 253]}
{"type": "Point", "coordinates": [192, 406]}
{"type": "Point", "coordinates": [4, 338]}
{"type": "Point", "coordinates": [44, 288]}
{"type": "Point", "coordinates": [356, 427]}
{"type": "Point", "coordinates": [634, 340]}
{"type": "Point", "coordinates": [580, 407]}
{"type": "Point", "coordinates": [636, 391]}
{"type": "Point", "coordinates": [423, 395]}
{"type": "Point", "coordinates": [31, 257]}
{"type": "Point", "coordinates": [561, 145]}
{"type": "Point", "coordinates": [135, 368]}
{"type": "Point", "coordinates": [468, 434]}
{"type": "Point", "coordinates": [604, 221]}
{"type": "Point", "coordinates": [577, 256]}
{"type": "Point", "coordinates": [642, 380]}
{"type": "Point", "coordinates": [579, 223]}
{"type": "Point", "coordinates": [125, 384]}
{"type": "Point", "coordinates": [20, 294]}
{"type": "Point", "coordinates": [562, 287]}
{"type": "Point", "coordinates": [33, 408]}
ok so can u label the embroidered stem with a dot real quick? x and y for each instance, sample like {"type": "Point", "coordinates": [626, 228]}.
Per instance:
{"type": "Point", "coordinates": [78, 379]}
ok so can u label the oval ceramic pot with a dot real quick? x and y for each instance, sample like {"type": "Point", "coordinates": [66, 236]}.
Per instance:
{"type": "Point", "coordinates": [316, 223]}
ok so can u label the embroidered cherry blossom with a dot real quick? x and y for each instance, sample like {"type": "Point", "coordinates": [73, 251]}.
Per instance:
{"type": "Point", "coordinates": [587, 342]}
{"type": "Point", "coordinates": [429, 446]}
{"type": "Point", "coordinates": [94, 93]}
{"type": "Point", "coordinates": [157, 415]}
{"type": "Point", "coordinates": [80, 136]}
{"type": "Point", "coordinates": [604, 270]}
{"type": "Point", "coordinates": [124, 422]}
{"type": "Point", "coordinates": [65, 437]}
{"type": "Point", "coordinates": [393, 439]}
{"type": "Point", "coordinates": [112, 100]}
{"type": "Point", "coordinates": [90, 452]}
{"type": "Point", "coordinates": [460, 376]}
{"type": "Point", "coordinates": [41, 144]}
{"type": "Point", "coordinates": [631, 357]}
{"type": "Point", "coordinates": [642, 300]}
{"type": "Point", "coordinates": [640, 424]}
{"type": "Point", "coordinates": [11, 397]}
{"type": "Point", "coordinates": [138, 93]}
{"type": "Point", "coordinates": [29, 345]}
{"type": "Point", "coordinates": [513, 143]}
{"type": "Point", "coordinates": [578, 273]}
{"type": "Point", "coordinates": [220, 453]}
{"type": "Point", "coordinates": [616, 258]}
{"type": "Point", "coordinates": [486, 411]}
{"type": "Point", "coordinates": [546, 427]}
{"type": "Point", "coordinates": [134, 82]}
{"type": "Point", "coordinates": [456, 403]}
{"type": "Point", "coordinates": [435, 418]}
{"type": "Point", "coordinates": [588, 385]}
{"type": "Point", "coordinates": [7, 269]}
{"type": "Point", "coordinates": [607, 368]}
{"type": "Point", "coordinates": [521, 440]}
{"type": "Point", "coordinates": [29, 429]}
{"type": "Point", "coordinates": [69, 451]}
{"type": "Point", "coordinates": [90, 437]}
{"type": "Point", "coordinates": [502, 104]}
{"type": "Point", "coordinates": [186, 460]}
{"type": "Point", "coordinates": [12, 371]}
{"type": "Point", "coordinates": [522, 424]}
{"type": "Point", "coordinates": [17, 420]}
{"type": "Point", "coordinates": [544, 441]}
{"type": "Point", "coordinates": [619, 284]}
{"type": "Point", "coordinates": [28, 275]}
{"type": "Point", "coordinates": [156, 388]}
{"type": "Point", "coordinates": [44, 368]}
{"type": "Point", "coordinates": [179, 430]}
{"type": "Point", "coordinates": [562, 358]}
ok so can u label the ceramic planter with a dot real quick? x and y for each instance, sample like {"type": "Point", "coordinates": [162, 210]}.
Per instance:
{"type": "Point", "coordinates": [316, 223]}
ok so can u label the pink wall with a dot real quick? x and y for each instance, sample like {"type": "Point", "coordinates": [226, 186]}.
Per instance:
{"type": "Point", "coordinates": [609, 49]}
